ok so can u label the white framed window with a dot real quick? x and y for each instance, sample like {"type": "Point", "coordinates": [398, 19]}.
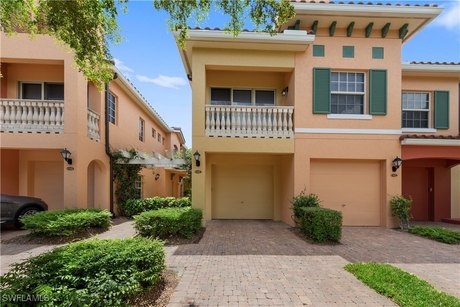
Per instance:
{"type": "Point", "coordinates": [415, 110]}
{"type": "Point", "coordinates": [243, 96]}
{"type": "Point", "coordinates": [41, 90]}
{"type": "Point", "coordinates": [347, 92]}
{"type": "Point", "coordinates": [138, 185]}
{"type": "Point", "coordinates": [141, 129]}
{"type": "Point", "coordinates": [112, 105]}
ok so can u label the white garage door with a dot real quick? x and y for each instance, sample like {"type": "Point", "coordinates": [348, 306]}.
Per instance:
{"type": "Point", "coordinates": [350, 186]}
{"type": "Point", "coordinates": [242, 192]}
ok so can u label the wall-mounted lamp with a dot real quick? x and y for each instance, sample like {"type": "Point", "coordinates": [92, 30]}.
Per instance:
{"type": "Point", "coordinates": [396, 163]}
{"type": "Point", "coordinates": [157, 176]}
{"type": "Point", "coordinates": [197, 156]}
{"type": "Point", "coordinates": [285, 91]}
{"type": "Point", "coordinates": [65, 153]}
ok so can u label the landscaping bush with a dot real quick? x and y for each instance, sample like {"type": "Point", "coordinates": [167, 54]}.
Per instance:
{"type": "Point", "coordinates": [320, 224]}
{"type": "Point", "coordinates": [136, 206]}
{"type": "Point", "coordinates": [87, 273]}
{"type": "Point", "coordinates": [66, 222]}
{"type": "Point", "coordinates": [303, 201]}
{"type": "Point", "coordinates": [400, 207]}
{"type": "Point", "coordinates": [163, 223]}
{"type": "Point", "coordinates": [437, 233]}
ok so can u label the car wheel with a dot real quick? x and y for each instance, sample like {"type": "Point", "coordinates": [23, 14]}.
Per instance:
{"type": "Point", "coordinates": [25, 211]}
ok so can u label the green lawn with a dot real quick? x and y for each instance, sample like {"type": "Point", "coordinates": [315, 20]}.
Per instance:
{"type": "Point", "coordinates": [440, 234]}
{"type": "Point", "coordinates": [403, 288]}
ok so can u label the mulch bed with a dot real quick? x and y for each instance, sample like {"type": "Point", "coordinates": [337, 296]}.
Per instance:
{"type": "Point", "coordinates": [35, 239]}
{"type": "Point", "coordinates": [160, 294]}
{"type": "Point", "coordinates": [179, 240]}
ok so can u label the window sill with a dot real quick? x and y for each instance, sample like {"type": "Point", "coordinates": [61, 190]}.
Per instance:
{"type": "Point", "coordinates": [349, 116]}
{"type": "Point", "coordinates": [420, 130]}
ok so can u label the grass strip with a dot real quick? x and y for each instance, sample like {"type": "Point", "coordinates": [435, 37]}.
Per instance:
{"type": "Point", "coordinates": [439, 234]}
{"type": "Point", "coordinates": [404, 288]}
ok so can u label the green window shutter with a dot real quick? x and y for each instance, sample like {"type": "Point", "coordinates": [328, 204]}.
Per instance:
{"type": "Point", "coordinates": [318, 50]}
{"type": "Point", "coordinates": [441, 109]}
{"type": "Point", "coordinates": [348, 51]}
{"type": "Point", "coordinates": [377, 52]}
{"type": "Point", "coordinates": [377, 92]}
{"type": "Point", "coordinates": [321, 90]}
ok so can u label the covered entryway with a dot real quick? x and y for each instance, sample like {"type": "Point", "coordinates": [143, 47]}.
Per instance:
{"type": "Point", "coordinates": [350, 186]}
{"type": "Point", "coordinates": [242, 192]}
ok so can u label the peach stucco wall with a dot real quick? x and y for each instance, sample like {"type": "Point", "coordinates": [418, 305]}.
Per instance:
{"type": "Point", "coordinates": [455, 192]}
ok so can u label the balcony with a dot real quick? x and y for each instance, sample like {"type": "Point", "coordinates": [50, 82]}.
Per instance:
{"type": "Point", "coordinates": [93, 125]}
{"type": "Point", "coordinates": [249, 121]}
{"type": "Point", "coordinates": [24, 115]}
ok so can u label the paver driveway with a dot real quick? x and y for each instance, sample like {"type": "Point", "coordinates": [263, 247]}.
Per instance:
{"type": "Point", "coordinates": [264, 263]}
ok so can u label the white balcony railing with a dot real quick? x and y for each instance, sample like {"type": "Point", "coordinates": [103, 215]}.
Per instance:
{"type": "Point", "coordinates": [93, 125]}
{"type": "Point", "coordinates": [24, 115]}
{"type": "Point", "coordinates": [249, 121]}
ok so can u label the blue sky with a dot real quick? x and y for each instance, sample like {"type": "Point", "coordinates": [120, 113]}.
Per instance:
{"type": "Point", "coordinates": [148, 55]}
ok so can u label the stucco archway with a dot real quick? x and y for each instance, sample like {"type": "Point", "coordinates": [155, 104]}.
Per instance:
{"type": "Point", "coordinates": [96, 177]}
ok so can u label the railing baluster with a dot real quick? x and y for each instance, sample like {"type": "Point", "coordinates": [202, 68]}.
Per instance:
{"type": "Point", "coordinates": [207, 120]}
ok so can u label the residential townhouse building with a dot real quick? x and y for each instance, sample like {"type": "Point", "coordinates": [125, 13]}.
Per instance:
{"type": "Point", "coordinates": [327, 107]}
{"type": "Point", "coordinates": [47, 105]}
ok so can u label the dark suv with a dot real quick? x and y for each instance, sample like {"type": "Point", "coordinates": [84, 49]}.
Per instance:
{"type": "Point", "coordinates": [12, 207]}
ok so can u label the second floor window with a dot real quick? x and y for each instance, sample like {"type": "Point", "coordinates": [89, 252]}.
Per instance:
{"type": "Point", "coordinates": [141, 129]}
{"type": "Point", "coordinates": [415, 110]}
{"type": "Point", "coordinates": [159, 138]}
{"type": "Point", "coordinates": [154, 133]}
{"type": "Point", "coordinates": [41, 90]}
{"type": "Point", "coordinates": [242, 97]}
{"type": "Point", "coordinates": [112, 108]}
{"type": "Point", "coordinates": [347, 93]}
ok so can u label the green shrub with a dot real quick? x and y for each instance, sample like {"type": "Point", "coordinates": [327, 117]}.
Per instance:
{"type": "Point", "coordinates": [88, 273]}
{"type": "Point", "coordinates": [136, 206]}
{"type": "Point", "coordinates": [437, 233]}
{"type": "Point", "coordinates": [66, 222]}
{"type": "Point", "coordinates": [303, 201]}
{"type": "Point", "coordinates": [403, 288]}
{"type": "Point", "coordinates": [320, 224]}
{"type": "Point", "coordinates": [400, 207]}
{"type": "Point", "coordinates": [163, 223]}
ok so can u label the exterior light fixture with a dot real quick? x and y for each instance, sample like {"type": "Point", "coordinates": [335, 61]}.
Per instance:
{"type": "Point", "coordinates": [197, 156]}
{"type": "Point", "coordinates": [396, 163]}
{"type": "Point", "coordinates": [284, 91]}
{"type": "Point", "coordinates": [157, 176]}
{"type": "Point", "coordinates": [65, 153]}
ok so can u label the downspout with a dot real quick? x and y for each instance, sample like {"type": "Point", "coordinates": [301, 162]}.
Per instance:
{"type": "Point", "coordinates": [107, 146]}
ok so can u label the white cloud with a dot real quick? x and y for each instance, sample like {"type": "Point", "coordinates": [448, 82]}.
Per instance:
{"type": "Point", "coordinates": [450, 18]}
{"type": "Point", "coordinates": [164, 81]}
{"type": "Point", "coordinates": [121, 66]}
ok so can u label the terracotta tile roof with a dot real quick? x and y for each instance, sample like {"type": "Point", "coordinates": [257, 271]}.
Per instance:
{"type": "Point", "coordinates": [362, 3]}
{"type": "Point", "coordinates": [435, 63]}
{"type": "Point", "coordinates": [429, 136]}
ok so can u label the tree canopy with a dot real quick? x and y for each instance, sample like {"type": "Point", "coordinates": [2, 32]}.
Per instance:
{"type": "Point", "coordinates": [88, 26]}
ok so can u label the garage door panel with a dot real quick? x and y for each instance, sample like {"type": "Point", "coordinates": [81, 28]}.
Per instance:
{"type": "Point", "coordinates": [352, 187]}
{"type": "Point", "coordinates": [242, 192]}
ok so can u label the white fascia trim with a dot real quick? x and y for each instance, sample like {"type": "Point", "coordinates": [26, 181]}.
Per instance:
{"type": "Point", "coordinates": [349, 116]}
{"type": "Point", "coordinates": [141, 100]}
{"type": "Point", "coordinates": [368, 10]}
{"type": "Point", "coordinates": [301, 37]}
{"type": "Point", "coordinates": [431, 142]}
{"type": "Point", "coordinates": [419, 130]}
{"type": "Point", "coordinates": [430, 67]}
{"type": "Point", "coordinates": [347, 131]}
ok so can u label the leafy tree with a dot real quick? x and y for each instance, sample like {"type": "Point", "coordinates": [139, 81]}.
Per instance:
{"type": "Point", "coordinates": [87, 26]}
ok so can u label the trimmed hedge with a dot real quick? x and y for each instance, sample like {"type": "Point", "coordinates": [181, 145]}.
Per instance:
{"type": "Point", "coordinates": [66, 222]}
{"type": "Point", "coordinates": [136, 206]}
{"type": "Point", "coordinates": [163, 223]}
{"type": "Point", "coordinates": [439, 234]}
{"type": "Point", "coordinates": [303, 201]}
{"type": "Point", "coordinates": [320, 224]}
{"type": "Point", "coordinates": [87, 273]}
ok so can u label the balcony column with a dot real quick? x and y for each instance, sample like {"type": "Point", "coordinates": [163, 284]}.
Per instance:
{"type": "Point", "coordinates": [75, 115]}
